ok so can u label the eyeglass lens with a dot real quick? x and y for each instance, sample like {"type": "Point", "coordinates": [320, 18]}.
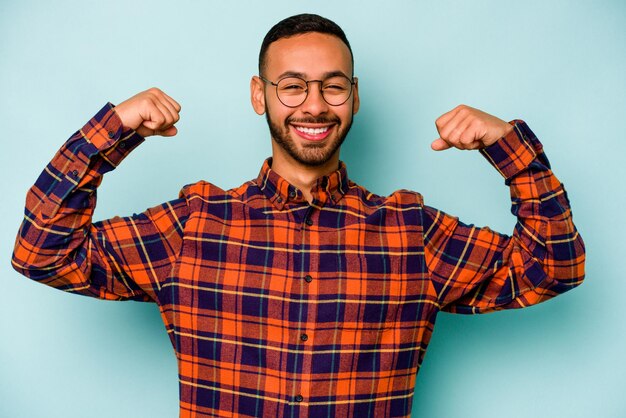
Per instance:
{"type": "Point", "coordinates": [293, 91]}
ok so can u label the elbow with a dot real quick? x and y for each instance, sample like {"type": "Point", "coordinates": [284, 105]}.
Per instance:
{"type": "Point", "coordinates": [573, 266]}
{"type": "Point", "coordinates": [579, 263]}
{"type": "Point", "coordinates": [42, 265]}
{"type": "Point", "coordinates": [25, 263]}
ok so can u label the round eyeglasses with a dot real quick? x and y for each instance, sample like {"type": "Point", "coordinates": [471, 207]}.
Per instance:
{"type": "Point", "coordinates": [293, 91]}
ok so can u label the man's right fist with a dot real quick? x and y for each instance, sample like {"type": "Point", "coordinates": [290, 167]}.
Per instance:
{"type": "Point", "coordinates": [150, 112]}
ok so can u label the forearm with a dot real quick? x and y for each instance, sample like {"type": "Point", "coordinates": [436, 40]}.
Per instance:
{"type": "Point", "coordinates": [545, 231]}
{"type": "Point", "coordinates": [55, 241]}
{"type": "Point", "coordinates": [478, 270]}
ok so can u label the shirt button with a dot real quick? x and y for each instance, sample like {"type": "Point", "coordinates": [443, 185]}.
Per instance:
{"type": "Point", "coordinates": [299, 398]}
{"type": "Point", "coordinates": [308, 278]}
{"type": "Point", "coordinates": [122, 145]}
{"type": "Point", "coordinates": [111, 134]}
{"type": "Point", "coordinates": [308, 221]}
{"type": "Point", "coordinates": [304, 337]}
{"type": "Point", "coordinates": [279, 200]}
{"type": "Point", "coordinates": [74, 173]}
{"type": "Point", "coordinates": [292, 194]}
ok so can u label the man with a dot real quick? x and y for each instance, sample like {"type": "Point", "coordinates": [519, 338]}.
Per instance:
{"type": "Point", "coordinates": [299, 293]}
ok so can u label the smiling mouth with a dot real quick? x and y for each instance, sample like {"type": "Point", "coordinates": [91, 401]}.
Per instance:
{"type": "Point", "coordinates": [313, 130]}
{"type": "Point", "coordinates": [313, 133]}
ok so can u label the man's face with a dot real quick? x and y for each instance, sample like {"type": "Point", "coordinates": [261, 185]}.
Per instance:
{"type": "Point", "coordinates": [311, 133]}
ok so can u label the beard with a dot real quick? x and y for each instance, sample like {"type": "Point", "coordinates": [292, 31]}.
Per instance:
{"type": "Point", "coordinates": [313, 154]}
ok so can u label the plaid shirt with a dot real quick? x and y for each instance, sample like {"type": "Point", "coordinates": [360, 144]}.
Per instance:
{"type": "Point", "coordinates": [278, 307]}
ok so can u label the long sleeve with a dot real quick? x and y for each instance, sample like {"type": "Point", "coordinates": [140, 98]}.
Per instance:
{"type": "Point", "coordinates": [476, 270]}
{"type": "Point", "coordinates": [59, 245]}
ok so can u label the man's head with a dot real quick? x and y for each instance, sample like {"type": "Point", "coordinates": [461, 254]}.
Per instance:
{"type": "Point", "coordinates": [314, 50]}
{"type": "Point", "coordinates": [298, 25]}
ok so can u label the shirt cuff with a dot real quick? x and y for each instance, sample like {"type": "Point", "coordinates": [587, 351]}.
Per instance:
{"type": "Point", "coordinates": [514, 152]}
{"type": "Point", "coordinates": [105, 134]}
{"type": "Point", "coordinates": [96, 149]}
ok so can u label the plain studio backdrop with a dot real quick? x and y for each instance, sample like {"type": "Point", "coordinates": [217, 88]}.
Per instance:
{"type": "Point", "coordinates": [559, 65]}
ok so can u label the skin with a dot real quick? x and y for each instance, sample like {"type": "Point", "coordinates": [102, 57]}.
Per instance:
{"type": "Point", "coordinates": [313, 56]}
{"type": "Point", "coordinates": [299, 158]}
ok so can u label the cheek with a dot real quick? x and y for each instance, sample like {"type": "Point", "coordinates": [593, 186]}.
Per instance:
{"type": "Point", "coordinates": [273, 111]}
{"type": "Point", "coordinates": [277, 118]}
{"type": "Point", "coordinates": [346, 114]}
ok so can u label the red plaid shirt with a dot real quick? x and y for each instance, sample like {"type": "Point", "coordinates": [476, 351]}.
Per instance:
{"type": "Point", "coordinates": [278, 307]}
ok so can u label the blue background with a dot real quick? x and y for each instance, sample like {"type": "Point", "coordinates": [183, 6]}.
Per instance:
{"type": "Point", "coordinates": [559, 65]}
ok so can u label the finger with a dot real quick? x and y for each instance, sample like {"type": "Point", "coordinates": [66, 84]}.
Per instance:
{"type": "Point", "coordinates": [169, 117]}
{"type": "Point", "coordinates": [466, 134]}
{"type": "Point", "coordinates": [154, 119]}
{"type": "Point", "coordinates": [446, 117]}
{"type": "Point", "coordinates": [173, 102]}
{"type": "Point", "coordinates": [440, 145]}
{"type": "Point", "coordinates": [474, 145]}
{"type": "Point", "coordinates": [455, 128]}
{"type": "Point", "coordinates": [147, 132]}
{"type": "Point", "coordinates": [166, 101]}
{"type": "Point", "coordinates": [171, 131]}
{"type": "Point", "coordinates": [172, 109]}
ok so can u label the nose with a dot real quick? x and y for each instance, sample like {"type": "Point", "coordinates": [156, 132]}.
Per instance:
{"type": "Point", "coordinates": [314, 104]}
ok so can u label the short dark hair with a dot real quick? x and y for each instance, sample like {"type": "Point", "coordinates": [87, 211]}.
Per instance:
{"type": "Point", "coordinates": [297, 25]}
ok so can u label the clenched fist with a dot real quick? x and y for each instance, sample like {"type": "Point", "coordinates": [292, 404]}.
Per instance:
{"type": "Point", "coordinates": [150, 112]}
{"type": "Point", "coordinates": [467, 128]}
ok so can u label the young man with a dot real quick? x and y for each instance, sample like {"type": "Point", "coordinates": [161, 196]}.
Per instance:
{"type": "Point", "coordinates": [299, 293]}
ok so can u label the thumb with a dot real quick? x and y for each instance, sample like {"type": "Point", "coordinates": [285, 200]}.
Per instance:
{"type": "Point", "coordinates": [439, 145]}
{"type": "Point", "coordinates": [171, 131]}
{"type": "Point", "coordinates": [149, 128]}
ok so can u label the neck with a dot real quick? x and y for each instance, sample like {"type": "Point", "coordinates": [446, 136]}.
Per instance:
{"type": "Point", "coordinates": [302, 176]}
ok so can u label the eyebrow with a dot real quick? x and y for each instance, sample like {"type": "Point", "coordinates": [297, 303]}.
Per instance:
{"type": "Point", "coordinates": [303, 76]}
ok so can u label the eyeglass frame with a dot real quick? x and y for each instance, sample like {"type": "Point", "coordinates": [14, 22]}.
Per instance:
{"type": "Point", "coordinates": [306, 82]}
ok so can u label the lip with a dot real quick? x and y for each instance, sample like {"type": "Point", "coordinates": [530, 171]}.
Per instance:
{"type": "Point", "coordinates": [313, 136]}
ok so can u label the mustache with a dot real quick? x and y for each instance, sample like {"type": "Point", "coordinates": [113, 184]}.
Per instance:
{"type": "Point", "coordinates": [325, 120]}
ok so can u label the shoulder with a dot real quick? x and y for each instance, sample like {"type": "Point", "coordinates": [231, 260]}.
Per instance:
{"type": "Point", "coordinates": [206, 192]}
{"type": "Point", "coordinates": [399, 199]}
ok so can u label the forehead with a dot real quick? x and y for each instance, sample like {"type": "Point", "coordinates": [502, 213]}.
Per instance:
{"type": "Point", "coordinates": [311, 54]}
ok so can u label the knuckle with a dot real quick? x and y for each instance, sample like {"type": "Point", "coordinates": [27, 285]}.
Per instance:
{"type": "Point", "coordinates": [456, 133]}
{"type": "Point", "coordinates": [146, 101]}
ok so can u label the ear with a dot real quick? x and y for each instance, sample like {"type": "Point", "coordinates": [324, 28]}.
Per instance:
{"type": "Point", "coordinates": [356, 102]}
{"type": "Point", "coordinates": [257, 95]}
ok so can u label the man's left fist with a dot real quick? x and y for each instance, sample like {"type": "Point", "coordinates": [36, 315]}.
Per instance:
{"type": "Point", "coordinates": [467, 128]}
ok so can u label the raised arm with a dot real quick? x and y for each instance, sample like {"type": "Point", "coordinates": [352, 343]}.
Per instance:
{"type": "Point", "coordinates": [121, 258]}
{"type": "Point", "coordinates": [476, 270]}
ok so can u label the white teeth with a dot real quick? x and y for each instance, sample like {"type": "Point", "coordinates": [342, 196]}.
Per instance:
{"type": "Point", "coordinates": [312, 131]}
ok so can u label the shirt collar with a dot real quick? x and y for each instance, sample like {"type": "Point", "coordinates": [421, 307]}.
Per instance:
{"type": "Point", "coordinates": [328, 189]}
